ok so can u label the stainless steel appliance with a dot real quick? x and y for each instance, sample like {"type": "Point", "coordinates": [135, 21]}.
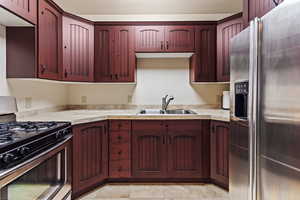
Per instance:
{"type": "Point", "coordinates": [265, 133]}
{"type": "Point", "coordinates": [34, 158]}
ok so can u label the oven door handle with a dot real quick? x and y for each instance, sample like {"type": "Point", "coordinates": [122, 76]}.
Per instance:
{"type": "Point", "coordinates": [9, 175]}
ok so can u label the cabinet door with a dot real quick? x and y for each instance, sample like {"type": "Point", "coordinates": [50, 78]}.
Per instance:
{"type": "Point", "coordinates": [90, 155]}
{"type": "Point", "coordinates": [203, 62]}
{"type": "Point", "coordinates": [123, 61]}
{"type": "Point", "coordinates": [149, 38]}
{"type": "Point", "coordinates": [257, 8]}
{"type": "Point", "coordinates": [220, 152]}
{"type": "Point", "coordinates": [26, 9]}
{"type": "Point", "coordinates": [179, 38]}
{"type": "Point", "coordinates": [50, 35]}
{"type": "Point", "coordinates": [225, 32]}
{"type": "Point", "coordinates": [148, 150]}
{"type": "Point", "coordinates": [78, 50]}
{"type": "Point", "coordinates": [184, 149]}
{"type": "Point", "coordinates": [104, 39]}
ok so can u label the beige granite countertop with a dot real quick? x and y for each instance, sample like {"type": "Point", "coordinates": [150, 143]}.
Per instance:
{"type": "Point", "coordinates": [85, 116]}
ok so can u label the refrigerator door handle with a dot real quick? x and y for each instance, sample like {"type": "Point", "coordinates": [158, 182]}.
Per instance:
{"type": "Point", "coordinates": [255, 44]}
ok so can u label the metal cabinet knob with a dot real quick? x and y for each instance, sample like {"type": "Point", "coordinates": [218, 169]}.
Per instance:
{"type": "Point", "coordinates": [43, 68]}
{"type": "Point", "coordinates": [120, 169]}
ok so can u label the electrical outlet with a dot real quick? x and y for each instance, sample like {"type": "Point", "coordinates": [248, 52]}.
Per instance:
{"type": "Point", "coordinates": [83, 99]}
{"type": "Point", "coordinates": [28, 102]}
{"type": "Point", "coordinates": [129, 99]}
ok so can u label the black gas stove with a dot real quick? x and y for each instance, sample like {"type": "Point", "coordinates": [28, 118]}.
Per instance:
{"type": "Point", "coordinates": [20, 141]}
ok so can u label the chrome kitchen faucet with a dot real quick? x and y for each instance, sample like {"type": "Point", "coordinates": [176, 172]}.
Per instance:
{"type": "Point", "coordinates": [166, 102]}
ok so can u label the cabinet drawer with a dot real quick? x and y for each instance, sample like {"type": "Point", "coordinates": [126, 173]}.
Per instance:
{"type": "Point", "coordinates": [120, 125]}
{"type": "Point", "coordinates": [119, 169]}
{"type": "Point", "coordinates": [119, 137]}
{"type": "Point", "coordinates": [119, 152]}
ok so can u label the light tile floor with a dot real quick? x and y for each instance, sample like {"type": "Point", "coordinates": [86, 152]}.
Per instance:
{"type": "Point", "coordinates": [157, 192]}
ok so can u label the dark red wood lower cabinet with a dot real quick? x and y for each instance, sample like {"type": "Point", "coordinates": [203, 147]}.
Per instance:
{"type": "Point", "coordinates": [184, 149]}
{"type": "Point", "coordinates": [119, 149]}
{"type": "Point", "coordinates": [177, 149]}
{"type": "Point", "coordinates": [149, 155]}
{"type": "Point", "coordinates": [90, 155]}
{"type": "Point", "coordinates": [220, 153]}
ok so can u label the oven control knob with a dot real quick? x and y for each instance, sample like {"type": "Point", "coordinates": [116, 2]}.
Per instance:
{"type": "Point", "coordinates": [8, 158]}
{"type": "Point", "coordinates": [23, 151]}
{"type": "Point", "coordinates": [65, 132]}
{"type": "Point", "coordinates": [59, 134]}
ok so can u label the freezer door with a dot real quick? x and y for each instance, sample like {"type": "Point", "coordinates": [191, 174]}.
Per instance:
{"type": "Point", "coordinates": [279, 108]}
{"type": "Point", "coordinates": [239, 134]}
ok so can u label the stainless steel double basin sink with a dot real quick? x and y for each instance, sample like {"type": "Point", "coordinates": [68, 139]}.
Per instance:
{"type": "Point", "coordinates": [167, 112]}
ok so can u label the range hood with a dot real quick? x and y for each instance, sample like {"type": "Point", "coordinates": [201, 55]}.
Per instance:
{"type": "Point", "coordinates": [164, 55]}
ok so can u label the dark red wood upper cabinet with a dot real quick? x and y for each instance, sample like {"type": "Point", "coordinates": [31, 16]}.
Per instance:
{"type": "Point", "coordinates": [124, 61]}
{"type": "Point", "coordinates": [49, 40]}
{"type": "Point", "coordinates": [165, 38]}
{"type": "Point", "coordinates": [184, 149]}
{"type": "Point", "coordinates": [149, 159]}
{"type": "Point", "coordinates": [220, 152]}
{"type": "Point", "coordinates": [203, 62]}
{"type": "Point", "coordinates": [225, 31]}
{"type": "Point", "coordinates": [149, 38]}
{"type": "Point", "coordinates": [179, 38]}
{"type": "Point", "coordinates": [103, 49]}
{"type": "Point", "coordinates": [90, 155]}
{"type": "Point", "coordinates": [27, 9]}
{"type": "Point", "coordinates": [78, 50]}
{"type": "Point", "coordinates": [256, 8]}
{"type": "Point", "coordinates": [114, 54]}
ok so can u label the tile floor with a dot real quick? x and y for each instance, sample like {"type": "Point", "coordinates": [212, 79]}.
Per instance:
{"type": "Point", "coordinates": [157, 192]}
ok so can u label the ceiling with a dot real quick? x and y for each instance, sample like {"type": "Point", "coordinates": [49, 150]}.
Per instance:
{"type": "Point", "coordinates": [150, 7]}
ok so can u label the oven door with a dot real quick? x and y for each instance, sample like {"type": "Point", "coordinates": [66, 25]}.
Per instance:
{"type": "Point", "coordinates": [43, 177]}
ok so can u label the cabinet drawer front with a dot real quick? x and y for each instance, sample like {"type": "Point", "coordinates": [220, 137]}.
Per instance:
{"type": "Point", "coordinates": [187, 125]}
{"type": "Point", "coordinates": [119, 169]}
{"type": "Point", "coordinates": [119, 152]}
{"type": "Point", "coordinates": [119, 137]}
{"type": "Point", "coordinates": [120, 125]}
{"type": "Point", "coordinates": [142, 126]}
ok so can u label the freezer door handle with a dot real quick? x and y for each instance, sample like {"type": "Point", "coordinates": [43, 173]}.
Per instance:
{"type": "Point", "coordinates": [253, 105]}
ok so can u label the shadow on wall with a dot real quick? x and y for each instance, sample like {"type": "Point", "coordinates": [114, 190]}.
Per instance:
{"type": "Point", "coordinates": [37, 94]}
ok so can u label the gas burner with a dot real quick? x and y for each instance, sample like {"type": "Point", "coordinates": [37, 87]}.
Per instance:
{"type": "Point", "coordinates": [4, 140]}
{"type": "Point", "coordinates": [3, 128]}
{"type": "Point", "coordinates": [5, 134]}
{"type": "Point", "coordinates": [31, 126]}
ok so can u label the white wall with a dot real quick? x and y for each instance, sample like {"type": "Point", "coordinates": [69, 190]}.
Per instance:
{"type": "Point", "coordinates": [38, 95]}
{"type": "Point", "coordinates": [155, 78]}
{"type": "Point", "coordinates": [177, 17]}
{"type": "Point", "coordinates": [4, 90]}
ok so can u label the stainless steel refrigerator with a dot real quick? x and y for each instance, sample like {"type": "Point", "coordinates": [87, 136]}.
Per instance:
{"type": "Point", "coordinates": [264, 157]}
